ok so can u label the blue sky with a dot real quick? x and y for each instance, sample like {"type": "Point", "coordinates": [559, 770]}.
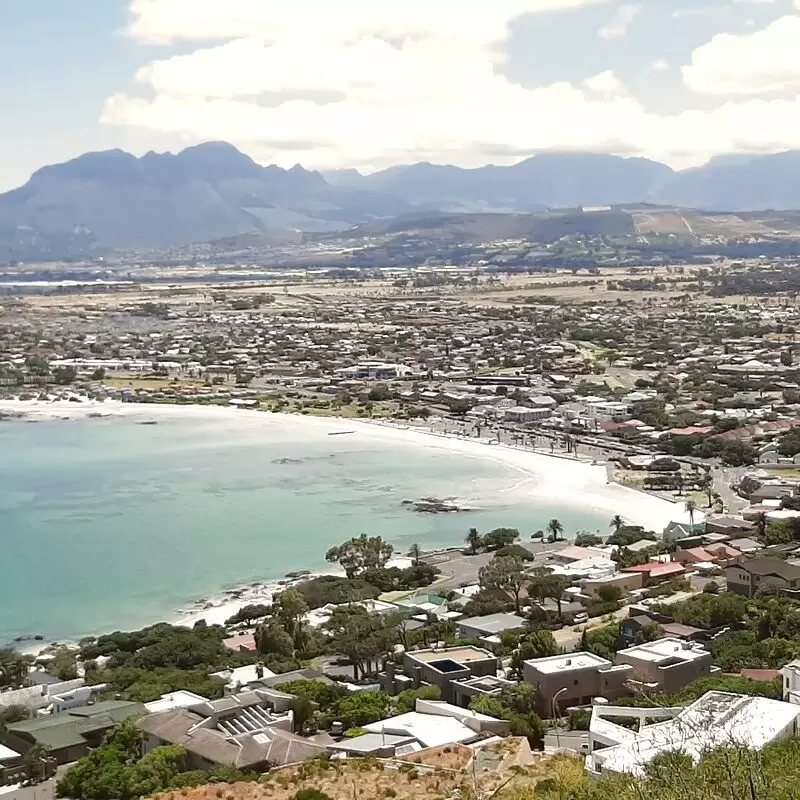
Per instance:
{"type": "Point", "coordinates": [357, 83]}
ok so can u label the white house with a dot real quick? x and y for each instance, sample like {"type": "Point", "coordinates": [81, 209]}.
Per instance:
{"type": "Point", "coordinates": [717, 719]}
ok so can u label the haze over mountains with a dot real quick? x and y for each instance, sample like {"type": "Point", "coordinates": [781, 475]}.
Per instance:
{"type": "Point", "coordinates": [114, 200]}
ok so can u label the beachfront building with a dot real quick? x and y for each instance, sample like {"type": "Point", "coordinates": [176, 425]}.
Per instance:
{"type": "Point", "coordinates": [717, 719]}
{"type": "Point", "coordinates": [573, 679]}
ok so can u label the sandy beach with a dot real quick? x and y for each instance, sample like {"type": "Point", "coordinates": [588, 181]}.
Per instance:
{"type": "Point", "coordinates": [551, 479]}
{"type": "Point", "coordinates": [565, 480]}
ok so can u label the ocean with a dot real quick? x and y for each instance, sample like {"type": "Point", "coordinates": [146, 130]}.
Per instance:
{"type": "Point", "coordinates": [110, 524]}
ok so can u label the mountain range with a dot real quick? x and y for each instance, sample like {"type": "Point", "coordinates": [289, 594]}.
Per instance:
{"type": "Point", "coordinates": [113, 200]}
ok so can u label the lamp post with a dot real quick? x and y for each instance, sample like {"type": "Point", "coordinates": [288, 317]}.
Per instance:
{"type": "Point", "coordinates": [557, 714]}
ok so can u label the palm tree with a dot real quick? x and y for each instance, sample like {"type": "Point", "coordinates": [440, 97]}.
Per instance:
{"type": "Point", "coordinates": [474, 540]}
{"type": "Point", "coordinates": [415, 551]}
{"type": "Point", "coordinates": [690, 507]}
{"type": "Point", "coordinates": [555, 529]}
{"type": "Point", "coordinates": [616, 522]}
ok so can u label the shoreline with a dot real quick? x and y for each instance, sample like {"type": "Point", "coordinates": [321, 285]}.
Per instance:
{"type": "Point", "coordinates": [546, 477]}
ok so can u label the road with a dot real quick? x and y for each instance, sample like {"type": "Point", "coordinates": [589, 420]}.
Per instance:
{"type": "Point", "coordinates": [566, 740]}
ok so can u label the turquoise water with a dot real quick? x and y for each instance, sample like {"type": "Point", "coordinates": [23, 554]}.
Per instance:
{"type": "Point", "coordinates": [108, 524]}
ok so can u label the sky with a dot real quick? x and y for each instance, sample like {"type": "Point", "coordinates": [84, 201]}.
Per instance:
{"type": "Point", "coordinates": [373, 83]}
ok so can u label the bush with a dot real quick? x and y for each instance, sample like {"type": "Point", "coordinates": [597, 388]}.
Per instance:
{"type": "Point", "coordinates": [514, 551]}
{"type": "Point", "coordinates": [578, 719]}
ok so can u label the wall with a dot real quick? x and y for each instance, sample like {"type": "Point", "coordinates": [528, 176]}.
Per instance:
{"type": "Point", "coordinates": [35, 697]}
{"type": "Point", "coordinates": [670, 678]}
{"type": "Point", "coordinates": [581, 685]}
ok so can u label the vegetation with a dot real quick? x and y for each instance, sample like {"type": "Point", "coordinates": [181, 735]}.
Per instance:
{"type": "Point", "coordinates": [118, 771]}
{"type": "Point", "coordinates": [763, 631]}
{"type": "Point", "coordinates": [516, 704]}
{"type": "Point", "coordinates": [360, 553]}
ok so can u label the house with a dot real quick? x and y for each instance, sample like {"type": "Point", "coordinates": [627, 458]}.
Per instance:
{"type": "Point", "coordinates": [238, 678]}
{"type": "Point", "coordinates": [438, 667]}
{"type": "Point", "coordinates": [243, 731]}
{"type": "Point", "coordinates": [746, 545]}
{"type": "Point", "coordinates": [434, 723]}
{"type": "Point", "coordinates": [626, 582]}
{"type": "Point", "coordinates": [522, 415]}
{"type": "Point", "coordinates": [631, 627]}
{"type": "Point", "coordinates": [573, 679]}
{"type": "Point", "coordinates": [762, 573]}
{"type": "Point", "coordinates": [487, 629]}
{"type": "Point", "coordinates": [69, 735]}
{"type": "Point", "coordinates": [654, 572]}
{"type": "Point", "coordinates": [791, 682]}
{"type": "Point", "coordinates": [480, 686]}
{"type": "Point", "coordinates": [712, 554]}
{"type": "Point", "coordinates": [665, 665]}
{"type": "Point", "coordinates": [717, 719]}
{"type": "Point", "coordinates": [241, 643]}
{"type": "Point", "coordinates": [730, 526]}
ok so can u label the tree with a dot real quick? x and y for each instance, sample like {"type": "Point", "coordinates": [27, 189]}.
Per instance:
{"type": "Point", "coordinates": [13, 668]}
{"type": "Point", "coordinates": [616, 522]}
{"type": "Point", "coordinates": [761, 525]}
{"type": "Point", "coordinates": [500, 537]}
{"type": "Point", "coordinates": [554, 529]}
{"type": "Point", "coordinates": [360, 553]}
{"type": "Point", "coordinates": [272, 639]}
{"type": "Point", "coordinates": [690, 507]}
{"type": "Point", "coordinates": [474, 540]}
{"type": "Point", "coordinates": [610, 594]}
{"type": "Point", "coordinates": [302, 711]}
{"type": "Point", "coordinates": [289, 608]}
{"type": "Point", "coordinates": [536, 644]}
{"type": "Point", "coordinates": [545, 584]}
{"type": "Point", "coordinates": [247, 614]}
{"type": "Point", "coordinates": [588, 540]}
{"type": "Point", "coordinates": [505, 573]}
{"type": "Point", "coordinates": [415, 551]}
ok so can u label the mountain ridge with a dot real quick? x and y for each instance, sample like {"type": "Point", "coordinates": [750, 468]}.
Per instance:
{"type": "Point", "coordinates": [112, 200]}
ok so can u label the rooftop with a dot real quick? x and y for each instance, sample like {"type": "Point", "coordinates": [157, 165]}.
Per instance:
{"type": "Point", "coordinates": [717, 719]}
{"type": "Point", "coordinates": [460, 655]}
{"type": "Point", "coordinates": [493, 623]}
{"type": "Point", "coordinates": [667, 649]}
{"type": "Point", "coordinates": [568, 662]}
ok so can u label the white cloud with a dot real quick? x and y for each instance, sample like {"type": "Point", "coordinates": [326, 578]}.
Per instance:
{"type": "Point", "coordinates": [605, 83]}
{"type": "Point", "coordinates": [162, 21]}
{"type": "Point", "coordinates": [762, 62]}
{"type": "Point", "coordinates": [369, 87]}
{"type": "Point", "coordinates": [659, 65]}
{"type": "Point", "coordinates": [618, 25]}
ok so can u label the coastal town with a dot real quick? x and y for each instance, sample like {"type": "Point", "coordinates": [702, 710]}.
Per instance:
{"type": "Point", "coordinates": [512, 659]}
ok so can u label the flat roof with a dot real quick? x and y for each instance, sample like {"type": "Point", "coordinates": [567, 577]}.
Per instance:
{"type": "Point", "coordinates": [664, 649]}
{"type": "Point", "coordinates": [459, 654]}
{"type": "Point", "coordinates": [493, 623]}
{"type": "Point", "coordinates": [568, 662]}
{"type": "Point", "coordinates": [717, 719]}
